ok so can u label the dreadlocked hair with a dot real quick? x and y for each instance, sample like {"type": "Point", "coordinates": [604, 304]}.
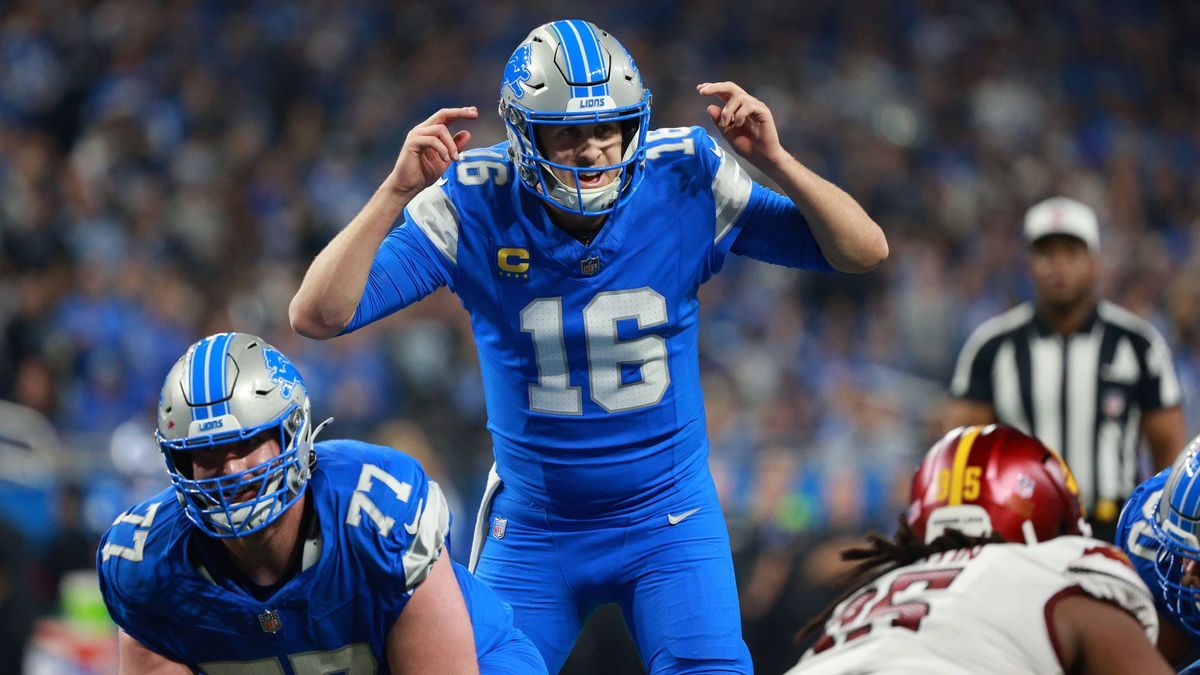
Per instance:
{"type": "Point", "coordinates": [882, 555]}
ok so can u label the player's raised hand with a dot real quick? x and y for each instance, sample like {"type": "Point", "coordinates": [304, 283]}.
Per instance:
{"type": "Point", "coordinates": [745, 122]}
{"type": "Point", "coordinates": [429, 149]}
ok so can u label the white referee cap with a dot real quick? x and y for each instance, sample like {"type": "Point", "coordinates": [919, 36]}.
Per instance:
{"type": "Point", "coordinates": [1062, 215]}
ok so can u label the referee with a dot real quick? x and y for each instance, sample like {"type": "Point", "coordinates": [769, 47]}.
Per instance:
{"type": "Point", "coordinates": [1085, 376]}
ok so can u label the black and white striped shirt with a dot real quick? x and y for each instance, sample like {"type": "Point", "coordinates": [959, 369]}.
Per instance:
{"type": "Point", "coordinates": [1081, 394]}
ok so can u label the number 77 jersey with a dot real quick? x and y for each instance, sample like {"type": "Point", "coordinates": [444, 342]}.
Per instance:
{"type": "Point", "coordinates": [588, 352]}
{"type": "Point", "coordinates": [378, 528]}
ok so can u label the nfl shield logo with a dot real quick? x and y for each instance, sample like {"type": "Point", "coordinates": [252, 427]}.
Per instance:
{"type": "Point", "coordinates": [498, 526]}
{"type": "Point", "coordinates": [269, 620]}
{"type": "Point", "coordinates": [590, 265]}
{"type": "Point", "coordinates": [1025, 486]}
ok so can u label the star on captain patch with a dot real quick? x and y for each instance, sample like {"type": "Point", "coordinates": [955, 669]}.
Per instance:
{"type": "Point", "coordinates": [269, 620]}
{"type": "Point", "coordinates": [498, 526]}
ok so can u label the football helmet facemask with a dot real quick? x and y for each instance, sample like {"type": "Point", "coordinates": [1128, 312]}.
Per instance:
{"type": "Point", "coordinates": [228, 388]}
{"type": "Point", "coordinates": [994, 479]}
{"type": "Point", "coordinates": [1176, 527]}
{"type": "Point", "coordinates": [571, 72]}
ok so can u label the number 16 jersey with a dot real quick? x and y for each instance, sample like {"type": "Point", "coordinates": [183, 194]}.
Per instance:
{"type": "Point", "coordinates": [588, 352]}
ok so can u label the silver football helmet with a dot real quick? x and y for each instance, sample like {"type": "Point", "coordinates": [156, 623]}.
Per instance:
{"type": "Point", "coordinates": [228, 388]}
{"type": "Point", "coordinates": [571, 72]}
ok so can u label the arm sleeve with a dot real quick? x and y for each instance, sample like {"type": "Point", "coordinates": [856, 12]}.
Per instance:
{"type": "Point", "coordinates": [773, 230]}
{"type": "Point", "coordinates": [415, 259]}
{"type": "Point", "coordinates": [120, 585]}
{"type": "Point", "coordinates": [1105, 573]}
{"type": "Point", "coordinates": [750, 219]}
{"type": "Point", "coordinates": [408, 531]}
{"type": "Point", "coordinates": [1159, 386]}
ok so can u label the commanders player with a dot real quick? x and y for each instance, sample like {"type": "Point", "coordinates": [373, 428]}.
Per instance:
{"type": "Point", "coordinates": [1160, 530]}
{"type": "Point", "coordinates": [991, 571]}
{"type": "Point", "coordinates": [272, 554]}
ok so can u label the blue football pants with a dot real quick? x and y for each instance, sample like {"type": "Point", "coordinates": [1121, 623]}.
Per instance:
{"type": "Point", "coordinates": [667, 565]}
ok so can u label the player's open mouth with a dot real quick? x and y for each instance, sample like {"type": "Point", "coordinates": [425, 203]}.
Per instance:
{"type": "Point", "coordinates": [591, 180]}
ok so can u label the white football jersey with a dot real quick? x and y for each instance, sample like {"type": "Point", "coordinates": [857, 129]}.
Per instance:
{"type": "Point", "coordinates": [981, 610]}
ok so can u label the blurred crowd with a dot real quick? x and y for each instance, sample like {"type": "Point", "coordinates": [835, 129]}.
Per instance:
{"type": "Point", "coordinates": [168, 170]}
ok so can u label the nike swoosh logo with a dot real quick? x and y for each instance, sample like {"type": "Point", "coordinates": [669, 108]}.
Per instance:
{"type": "Point", "coordinates": [675, 520]}
{"type": "Point", "coordinates": [411, 528]}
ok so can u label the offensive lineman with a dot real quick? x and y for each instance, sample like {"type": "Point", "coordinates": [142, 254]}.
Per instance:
{"type": "Point", "coordinates": [1160, 530]}
{"type": "Point", "coordinates": [275, 554]}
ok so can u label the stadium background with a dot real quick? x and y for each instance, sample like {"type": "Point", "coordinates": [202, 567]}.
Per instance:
{"type": "Point", "coordinates": [167, 170]}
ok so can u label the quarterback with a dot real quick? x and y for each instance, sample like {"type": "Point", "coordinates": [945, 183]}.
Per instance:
{"type": "Point", "coordinates": [1160, 530]}
{"type": "Point", "coordinates": [991, 571]}
{"type": "Point", "coordinates": [578, 246]}
{"type": "Point", "coordinates": [271, 553]}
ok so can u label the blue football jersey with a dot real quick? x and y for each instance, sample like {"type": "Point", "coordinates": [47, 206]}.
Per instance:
{"type": "Point", "coordinates": [1137, 540]}
{"type": "Point", "coordinates": [589, 353]}
{"type": "Point", "coordinates": [382, 525]}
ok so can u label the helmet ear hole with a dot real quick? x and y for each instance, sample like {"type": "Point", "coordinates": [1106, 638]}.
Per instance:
{"type": "Point", "coordinates": [182, 461]}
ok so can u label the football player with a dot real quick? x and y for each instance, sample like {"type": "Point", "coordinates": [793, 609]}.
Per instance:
{"type": "Point", "coordinates": [991, 571]}
{"type": "Point", "coordinates": [271, 553]}
{"type": "Point", "coordinates": [1159, 529]}
{"type": "Point", "coordinates": [578, 247]}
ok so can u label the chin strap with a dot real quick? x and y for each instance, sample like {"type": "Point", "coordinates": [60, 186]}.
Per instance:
{"type": "Point", "coordinates": [1029, 532]}
{"type": "Point", "coordinates": [593, 199]}
{"type": "Point", "coordinates": [597, 198]}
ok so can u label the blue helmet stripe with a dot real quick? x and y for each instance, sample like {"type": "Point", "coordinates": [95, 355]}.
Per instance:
{"type": "Point", "coordinates": [197, 369]}
{"type": "Point", "coordinates": [1185, 506]}
{"type": "Point", "coordinates": [595, 57]}
{"type": "Point", "coordinates": [220, 350]}
{"type": "Point", "coordinates": [210, 389]}
{"type": "Point", "coordinates": [572, 49]}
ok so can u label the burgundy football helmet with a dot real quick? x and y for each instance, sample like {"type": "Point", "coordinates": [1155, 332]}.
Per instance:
{"type": "Point", "coordinates": [990, 479]}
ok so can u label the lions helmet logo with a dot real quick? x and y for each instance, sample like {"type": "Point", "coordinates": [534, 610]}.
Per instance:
{"type": "Point", "coordinates": [517, 70]}
{"type": "Point", "coordinates": [282, 371]}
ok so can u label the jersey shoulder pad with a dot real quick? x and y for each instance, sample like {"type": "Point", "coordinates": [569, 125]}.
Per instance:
{"type": "Point", "coordinates": [475, 192]}
{"type": "Point", "coordinates": [480, 176]}
{"type": "Point", "coordinates": [670, 146]}
{"type": "Point", "coordinates": [1135, 535]}
{"type": "Point", "coordinates": [1103, 571]}
{"type": "Point", "coordinates": [1143, 501]}
{"type": "Point", "coordinates": [393, 517]}
{"type": "Point", "coordinates": [137, 554]}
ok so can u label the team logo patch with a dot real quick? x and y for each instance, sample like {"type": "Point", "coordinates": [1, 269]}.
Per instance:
{"type": "Point", "coordinates": [590, 265]}
{"type": "Point", "coordinates": [516, 70]}
{"type": "Point", "coordinates": [269, 620]}
{"type": "Point", "coordinates": [282, 371]}
{"type": "Point", "coordinates": [499, 525]}
{"type": "Point", "coordinates": [1025, 486]}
